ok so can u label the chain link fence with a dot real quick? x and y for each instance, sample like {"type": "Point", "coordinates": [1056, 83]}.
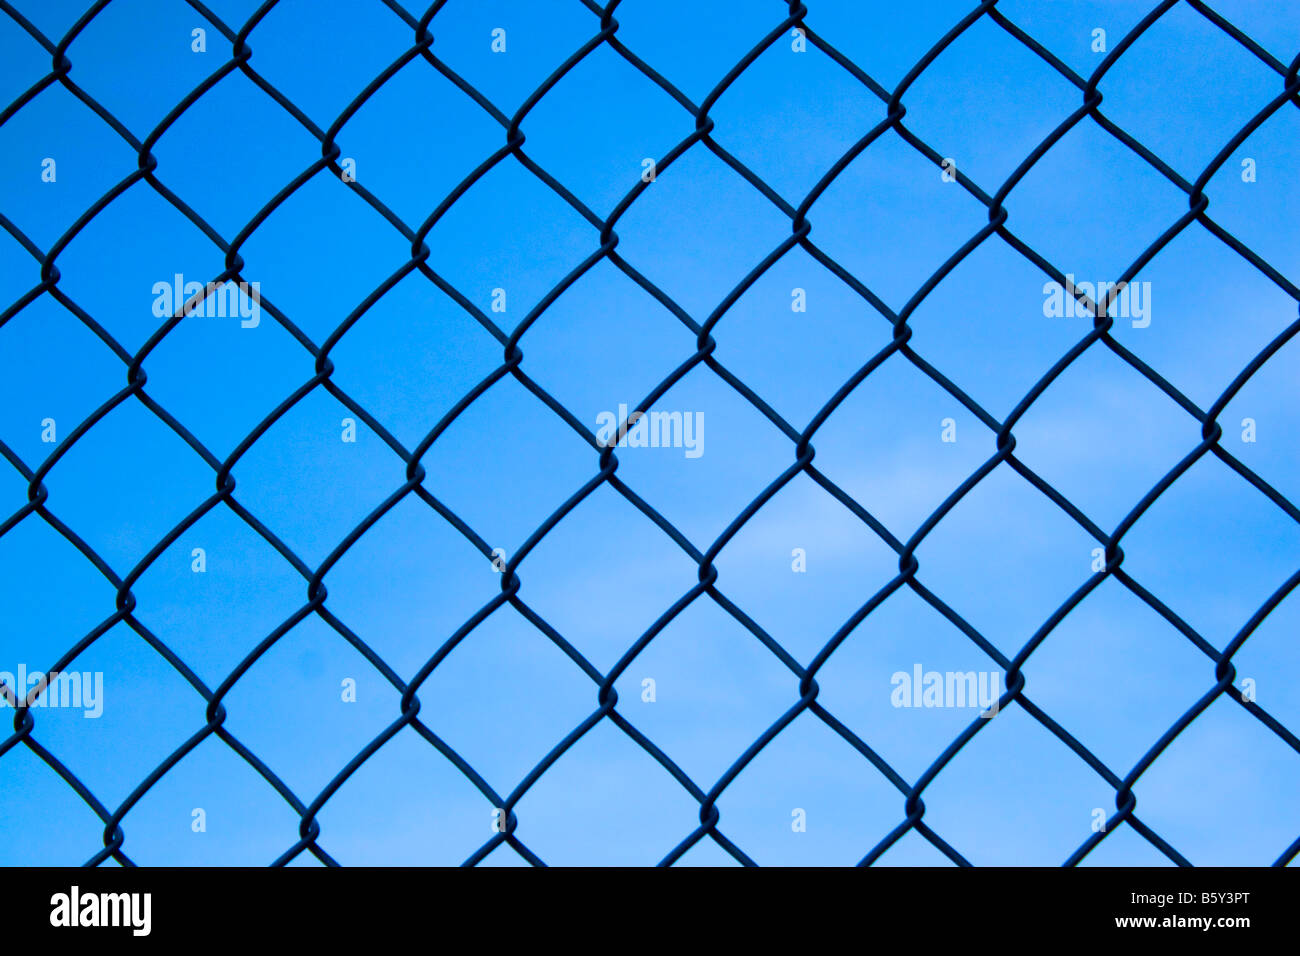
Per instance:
{"type": "Point", "coordinates": [788, 26]}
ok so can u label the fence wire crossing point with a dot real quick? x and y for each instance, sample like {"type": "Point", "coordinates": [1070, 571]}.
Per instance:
{"type": "Point", "coordinates": [605, 33]}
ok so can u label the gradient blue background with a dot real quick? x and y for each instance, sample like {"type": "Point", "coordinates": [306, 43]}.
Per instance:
{"type": "Point", "coordinates": [1114, 674]}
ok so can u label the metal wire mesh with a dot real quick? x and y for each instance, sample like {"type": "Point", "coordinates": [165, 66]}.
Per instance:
{"type": "Point", "coordinates": [26, 729]}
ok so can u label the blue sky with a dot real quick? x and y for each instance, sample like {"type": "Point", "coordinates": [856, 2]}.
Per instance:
{"type": "Point", "coordinates": [1114, 673]}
